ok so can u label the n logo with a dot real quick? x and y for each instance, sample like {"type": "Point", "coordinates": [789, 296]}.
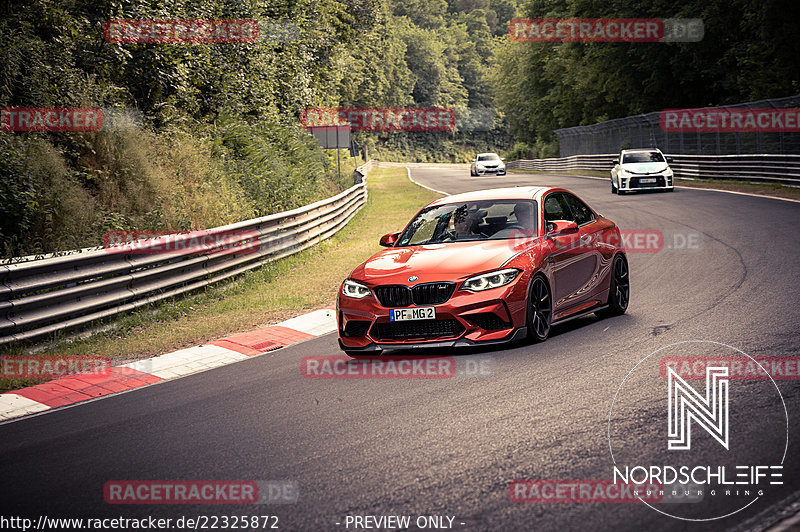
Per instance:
{"type": "Point", "coordinates": [685, 405]}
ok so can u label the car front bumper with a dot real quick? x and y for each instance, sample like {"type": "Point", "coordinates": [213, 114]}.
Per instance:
{"type": "Point", "coordinates": [467, 318]}
{"type": "Point", "coordinates": [499, 171]}
{"type": "Point", "coordinates": [375, 348]}
{"type": "Point", "coordinates": [631, 183]}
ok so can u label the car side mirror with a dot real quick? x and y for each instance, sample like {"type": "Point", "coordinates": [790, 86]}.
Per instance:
{"type": "Point", "coordinates": [561, 228]}
{"type": "Point", "coordinates": [669, 160]}
{"type": "Point", "coordinates": [502, 158]}
{"type": "Point", "coordinates": [389, 239]}
{"type": "Point", "coordinates": [615, 161]}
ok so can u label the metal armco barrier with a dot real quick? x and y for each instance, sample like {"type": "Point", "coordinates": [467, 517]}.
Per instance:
{"type": "Point", "coordinates": [557, 164]}
{"type": "Point", "coordinates": [783, 169]}
{"type": "Point", "coordinates": [42, 296]}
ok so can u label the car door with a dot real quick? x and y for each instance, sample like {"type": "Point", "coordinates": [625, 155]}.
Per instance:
{"type": "Point", "coordinates": [571, 269]}
{"type": "Point", "coordinates": [592, 260]}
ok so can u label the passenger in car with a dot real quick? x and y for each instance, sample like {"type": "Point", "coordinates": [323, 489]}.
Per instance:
{"type": "Point", "coordinates": [523, 214]}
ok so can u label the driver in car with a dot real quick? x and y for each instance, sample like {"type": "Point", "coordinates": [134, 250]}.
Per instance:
{"type": "Point", "coordinates": [523, 214]}
{"type": "Point", "coordinates": [465, 221]}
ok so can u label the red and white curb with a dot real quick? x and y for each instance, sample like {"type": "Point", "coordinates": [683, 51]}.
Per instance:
{"type": "Point", "coordinates": [83, 387]}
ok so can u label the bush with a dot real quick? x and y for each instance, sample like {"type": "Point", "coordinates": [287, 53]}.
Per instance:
{"type": "Point", "coordinates": [65, 192]}
{"type": "Point", "coordinates": [520, 151]}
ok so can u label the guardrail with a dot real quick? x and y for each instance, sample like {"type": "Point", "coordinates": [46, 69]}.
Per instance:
{"type": "Point", "coordinates": [41, 296]}
{"type": "Point", "coordinates": [783, 169]}
{"type": "Point", "coordinates": [556, 164]}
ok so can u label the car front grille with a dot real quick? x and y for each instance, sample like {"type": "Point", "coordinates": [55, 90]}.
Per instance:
{"type": "Point", "coordinates": [422, 294]}
{"type": "Point", "coordinates": [393, 295]}
{"type": "Point", "coordinates": [635, 182]}
{"type": "Point", "coordinates": [432, 293]}
{"type": "Point", "coordinates": [417, 329]}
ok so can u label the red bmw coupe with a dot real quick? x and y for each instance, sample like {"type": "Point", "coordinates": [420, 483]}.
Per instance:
{"type": "Point", "coordinates": [485, 267]}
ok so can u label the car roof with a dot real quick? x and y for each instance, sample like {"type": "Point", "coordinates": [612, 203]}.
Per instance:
{"type": "Point", "coordinates": [487, 153]}
{"type": "Point", "coordinates": [640, 149]}
{"type": "Point", "coordinates": [495, 193]}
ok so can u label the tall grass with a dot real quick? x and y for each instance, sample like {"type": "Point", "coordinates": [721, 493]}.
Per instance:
{"type": "Point", "coordinates": [64, 191]}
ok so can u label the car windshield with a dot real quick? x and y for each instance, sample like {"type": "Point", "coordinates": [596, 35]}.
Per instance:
{"type": "Point", "coordinates": [489, 157]}
{"type": "Point", "coordinates": [471, 220]}
{"type": "Point", "coordinates": [643, 157]}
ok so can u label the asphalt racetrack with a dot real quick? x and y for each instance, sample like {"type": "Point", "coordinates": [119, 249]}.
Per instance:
{"type": "Point", "coordinates": [727, 272]}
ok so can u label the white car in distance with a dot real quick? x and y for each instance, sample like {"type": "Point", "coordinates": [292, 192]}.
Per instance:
{"type": "Point", "coordinates": [487, 163]}
{"type": "Point", "coordinates": [641, 169]}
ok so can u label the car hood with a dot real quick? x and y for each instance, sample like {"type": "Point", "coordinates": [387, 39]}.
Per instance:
{"type": "Point", "coordinates": [435, 262]}
{"type": "Point", "coordinates": [644, 168]}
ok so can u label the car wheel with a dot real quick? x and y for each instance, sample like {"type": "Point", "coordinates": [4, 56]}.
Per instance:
{"type": "Point", "coordinates": [619, 292]}
{"type": "Point", "coordinates": [540, 310]}
{"type": "Point", "coordinates": [613, 188]}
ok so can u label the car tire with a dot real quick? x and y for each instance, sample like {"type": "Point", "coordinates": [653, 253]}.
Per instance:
{"type": "Point", "coordinates": [614, 189]}
{"type": "Point", "coordinates": [619, 290]}
{"type": "Point", "coordinates": [540, 309]}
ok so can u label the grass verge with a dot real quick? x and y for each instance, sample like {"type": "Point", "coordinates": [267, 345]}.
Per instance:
{"type": "Point", "coordinates": [276, 291]}
{"type": "Point", "coordinates": [763, 189]}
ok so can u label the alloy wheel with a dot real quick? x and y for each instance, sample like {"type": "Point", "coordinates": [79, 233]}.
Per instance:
{"type": "Point", "coordinates": [540, 309]}
{"type": "Point", "coordinates": [622, 286]}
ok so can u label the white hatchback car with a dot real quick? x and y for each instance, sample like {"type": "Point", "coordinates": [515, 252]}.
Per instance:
{"type": "Point", "coordinates": [641, 169]}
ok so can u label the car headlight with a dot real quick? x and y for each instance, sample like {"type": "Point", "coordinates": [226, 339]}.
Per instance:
{"type": "Point", "coordinates": [354, 289]}
{"type": "Point", "coordinates": [490, 280]}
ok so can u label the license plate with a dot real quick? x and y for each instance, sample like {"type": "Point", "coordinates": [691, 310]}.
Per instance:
{"type": "Point", "coordinates": [407, 314]}
{"type": "Point", "coordinates": [648, 180]}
